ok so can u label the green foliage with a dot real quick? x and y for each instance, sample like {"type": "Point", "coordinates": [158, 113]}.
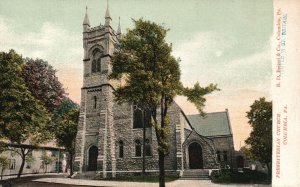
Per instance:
{"type": "Point", "coordinates": [66, 120]}
{"type": "Point", "coordinates": [233, 176]}
{"type": "Point", "coordinates": [144, 60]}
{"type": "Point", "coordinates": [66, 106]}
{"type": "Point", "coordinates": [67, 129]}
{"type": "Point", "coordinates": [197, 93]}
{"type": "Point", "coordinates": [260, 140]}
{"type": "Point", "coordinates": [46, 159]}
{"type": "Point", "coordinates": [151, 76]}
{"type": "Point", "coordinates": [42, 82]}
{"type": "Point", "coordinates": [3, 164]}
{"type": "Point", "coordinates": [30, 159]}
{"type": "Point", "coordinates": [22, 117]}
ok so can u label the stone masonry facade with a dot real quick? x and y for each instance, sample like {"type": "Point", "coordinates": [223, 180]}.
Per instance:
{"type": "Point", "coordinates": [103, 123]}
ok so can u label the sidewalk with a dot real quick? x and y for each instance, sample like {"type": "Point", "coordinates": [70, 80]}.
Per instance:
{"type": "Point", "coordinates": [33, 175]}
{"type": "Point", "coordinates": [177, 183]}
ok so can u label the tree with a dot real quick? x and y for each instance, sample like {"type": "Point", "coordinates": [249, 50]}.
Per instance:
{"type": "Point", "coordinates": [22, 117]}
{"type": "Point", "coordinates": [3, 159]}
{"type": "Point", "coordinates": [42, 82]}
{"type": "Point", "coordinates": [260, 140]}
{"type": "Point", "coordinates": [66, 120]}
{"type": "Point", "coordinates": [151, 77]}
{"type": "Point", "coordinates": [46, 160]}
{"type": "Point", "coordinates": [3, 164]}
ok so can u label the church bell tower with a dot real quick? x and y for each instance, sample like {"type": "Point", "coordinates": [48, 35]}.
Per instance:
{"type": "Point", "coordinates": [95, 142]}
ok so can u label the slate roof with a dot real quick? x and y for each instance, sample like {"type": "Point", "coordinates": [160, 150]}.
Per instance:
{"type": "Point", "coordinates": [212, 124]}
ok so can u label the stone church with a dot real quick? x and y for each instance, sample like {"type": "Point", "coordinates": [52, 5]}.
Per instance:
{"type": "Point", "coordinates": [109, 141]}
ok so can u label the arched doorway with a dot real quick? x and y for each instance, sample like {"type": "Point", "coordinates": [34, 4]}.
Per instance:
{"type": "Point", "coordinates": [240, 161]}
{"type": "Point", "coordinates": [93, 154]}
{"type": "Point", "coordinates": [195, 156]}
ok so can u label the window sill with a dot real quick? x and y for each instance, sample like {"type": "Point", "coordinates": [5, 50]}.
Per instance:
{"type": "Point", "coordinates": [140, 128]}
{"type": "Point", "coordinates": [135, 157]}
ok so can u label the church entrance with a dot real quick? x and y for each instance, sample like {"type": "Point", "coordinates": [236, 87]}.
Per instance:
{"type": "Point", "coordinates": [93, 154]}
{"type": "Point", "coordinates": [195, 156]}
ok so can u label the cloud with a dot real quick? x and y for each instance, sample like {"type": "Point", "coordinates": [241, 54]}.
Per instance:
{"type": "Point", "coordinates": [250, 72]}
{"type": "Point", "coordinates": [52, 43]}
{"type": "Point", "coordinates": [211, 57]}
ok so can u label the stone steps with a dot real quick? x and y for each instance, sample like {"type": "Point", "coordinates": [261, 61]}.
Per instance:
{"type": "Point", "coordinates": [86, 175]}
{"type": "Point", "coordinates": [195, 174]}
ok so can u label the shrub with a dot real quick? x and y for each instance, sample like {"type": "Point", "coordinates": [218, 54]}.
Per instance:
{"type": "Point", "coordinates": [233, 176]}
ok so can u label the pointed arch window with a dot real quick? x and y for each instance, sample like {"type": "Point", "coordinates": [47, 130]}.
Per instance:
{"type": "Point", "coordinates": [95, 102]}
{"type": "Point", "coordinates": [94, 66]}
{"type": "Point", "coordinates": [140, 114]}
{"type": "Point", "coordinates": [96, 60]}
{"type": "Point", "coordinates": [121, 149]}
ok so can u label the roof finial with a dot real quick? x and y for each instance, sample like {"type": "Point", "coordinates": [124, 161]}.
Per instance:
{"type": "Point", "coordinates": [86, 20]}
{"type": "Point", "coordinates": [107, 14]}
{"type": "Point", "coordinates": [119, 27]}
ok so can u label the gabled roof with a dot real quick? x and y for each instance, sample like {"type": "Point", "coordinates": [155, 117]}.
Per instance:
{"type": "Point", "coordinates": [212, 124]}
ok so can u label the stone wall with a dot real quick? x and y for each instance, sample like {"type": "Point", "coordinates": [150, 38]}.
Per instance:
{"type": "Point", "coordinates": [96, 125]}
{"type": "Point", "coordinates": [208, 152]}
{"type": "Point", "coordinates": [225, 143]}
{"type": "Point", "coordinates": [123, 124]}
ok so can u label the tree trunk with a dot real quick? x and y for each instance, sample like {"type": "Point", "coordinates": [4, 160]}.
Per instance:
{"type": "Point", "coordinates": [23, 156]}
{"type": "Point", "coordinates": [161, 152]}
{"type": "Point", "coordinates": [269, 170]}
{"type": "Point", "coordinates": [161, 166]}
{"type": "Point", "coordinates": [71, 163]}
{"type": "Point", "coordinates": [2, 171]}
{"type": "Point", "coordinates": [67, 164]}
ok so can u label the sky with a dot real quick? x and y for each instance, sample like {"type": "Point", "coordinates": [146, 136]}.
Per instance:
{"type": "Point", "coordinates": [223, 42]}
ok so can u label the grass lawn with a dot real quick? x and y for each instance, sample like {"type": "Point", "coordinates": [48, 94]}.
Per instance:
{"type": "Point", "coordinates": [153, 179]}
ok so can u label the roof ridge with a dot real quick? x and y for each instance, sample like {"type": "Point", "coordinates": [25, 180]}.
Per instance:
{"type": "Point", "coordinates": [207, 113]}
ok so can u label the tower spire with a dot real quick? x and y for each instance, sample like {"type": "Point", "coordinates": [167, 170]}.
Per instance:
{"type": "Point", "coordinates": [86, 20]}
{"type": "Point", "coordinates": [107, 15]}
{"type": "Point", "coordinates": [119, 27]}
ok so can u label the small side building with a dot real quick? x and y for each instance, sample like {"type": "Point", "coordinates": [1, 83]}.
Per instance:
{"type": "Point", "coordinates": [55, 159]}
{"type": "Point", "coordinates": [214, 128]}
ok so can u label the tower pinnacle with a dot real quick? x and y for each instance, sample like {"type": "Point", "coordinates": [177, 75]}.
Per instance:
{"type": "Point", "coordinates": [86, 20]}
{"type": "Point", "coordinates": [107, 16]}
{"type": "Point", "coordinates": [119, 27]}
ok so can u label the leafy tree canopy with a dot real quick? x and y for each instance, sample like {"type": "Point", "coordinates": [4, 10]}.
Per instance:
{"type": "Point", "coordinates": [145, 64]}
{"type": "Point", "coordinates": [42, 82]}
{"type": "Point", "coordinates": [66, 106]}
{"type": "Point", "coordinates": [65, 129]}
{"type": "Point", "coordinates": [260, 140]}
{"type": "Point", "coordinates": [151, 77]}
{"type": "Point", "coordinates": [22, 117]}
